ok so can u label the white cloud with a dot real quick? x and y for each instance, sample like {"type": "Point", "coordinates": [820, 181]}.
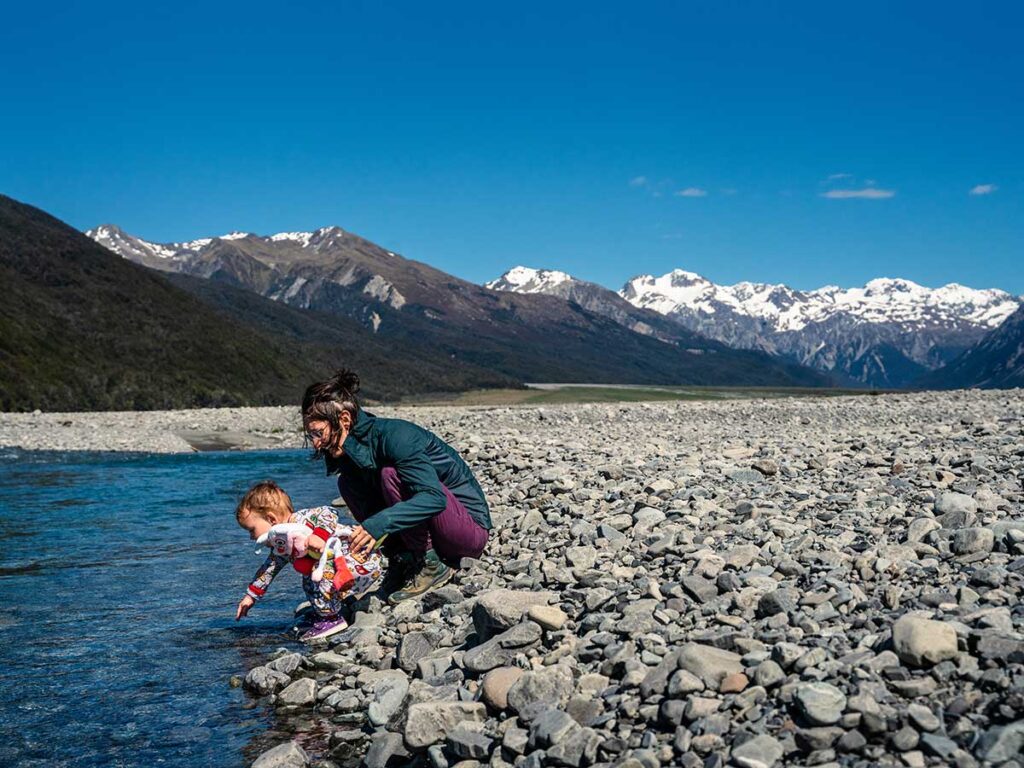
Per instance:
{"type": "Point", "coordinates": [638, 181]}
{"type": "Point", "coordinates": [838, 176]}
{"type": "Point", "coordinates": [868, 193]}
{"type": "Point", "coordinates": [983, 189]}
{"type": "Point", "coordinates": [692, 192]}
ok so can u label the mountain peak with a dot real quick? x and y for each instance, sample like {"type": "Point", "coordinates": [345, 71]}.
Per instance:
{"type": "Point", "coordinates": [528, 280]}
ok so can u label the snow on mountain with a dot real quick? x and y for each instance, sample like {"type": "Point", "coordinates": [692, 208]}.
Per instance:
{"type": "Point", "coordinates": [780, 308]}
{"type": "Point", "coordinates": [137, 249]}
{"type": "Point", "coordinates": [117, 240]}
{"type": "Point", "coordinates": [886, 333]}
{"type": "Point", "coordinates": [528, 280]}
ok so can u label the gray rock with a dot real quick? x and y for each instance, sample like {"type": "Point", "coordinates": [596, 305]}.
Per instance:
{"type": "Point", "coordinates": [956, 506]}
{"type": "Point", "coordinates": [430, 722]}
{"type": "Point", "coordinates": [550, 687]}
{"type": "Point", "coordinates": [777, 601]}
{"type": "Point", "coordinates": [413, 647]}
{"type": "Point", "coordinates": [700, 589]}
{"type": "Point", "coordinates": [469, 743]}
{"type": "Point", "coordinates": [516, 740]}
{"type": "Point", "coordinates": [968, 541]}
{"type": "Point", "coordinates": [289, 755]}
{"type": "Point", "coordinates": [581, 557]}
{"type": "Point", "coordinates": [500, 609]}
{"type": "Point", "coordinates": [286, 664]}
{"type": "Point", "coordinates": [740, 557]}
{"type": "Point", "coordinates": [708, 663]}
{"type": "Point", "coordinates": [937, 745]}
{"type": "Point", "coordinates": [1002, 743]}
{"type": "Point", "coordinates": [745, 476]}
{"type": "Point", "coordinates": [768, 674]}
{"type": "Point", "coordinates": [501, 649]}
{"type": "Point", "coordinates": [921, 527]}
{"type": "Point", "coordinates": [820, 703]}
{"type": "Point", "coordinates": [579, 748]}
{"type": "Point", "coordinates": [646, 520]}
{"type": "Point", "coordinates": [264, 680]}
{"type": "Point", "coordinates": [551, 726]}
{"type": "Point", "coordinates": [388, 695]}
{"type": "Point", "coordinates": [759, 752]}
{"type": "Point", "coordinates": [923, 718]}
{"type": "Point", "coordinates": [905, 739]}
{"type": "Point", "coordinates": [299, 693]}
{"type": "Point", "coordinates": [683, 682]}
{"type": "Point", "coordinates": [923, 642]}
{"type": "Point", "coordinates": [383, 747]}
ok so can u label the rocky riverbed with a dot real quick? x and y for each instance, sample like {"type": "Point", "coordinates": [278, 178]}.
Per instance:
{"type": "Point", "coordinates": [749, 583]}
{"type": "Point", "coordinates": [754, 583]}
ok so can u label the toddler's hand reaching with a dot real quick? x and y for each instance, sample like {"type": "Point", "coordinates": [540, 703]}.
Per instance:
{"type": "Point", "coordinates": [243, 607]}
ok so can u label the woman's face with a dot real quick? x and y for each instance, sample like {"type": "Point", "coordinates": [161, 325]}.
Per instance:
{"type": "Point", "coordinates": [321, 435]}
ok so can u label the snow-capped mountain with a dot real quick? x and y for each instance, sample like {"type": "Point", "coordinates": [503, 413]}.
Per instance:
{"type": "Point", "coordinates": [526, 280]}
{"type": "Point", "coordinates": [782, 309]}
{"type": "Point", "coordinates": [528, 337]}
{"type": "Point", "coordinates": [885, 334]}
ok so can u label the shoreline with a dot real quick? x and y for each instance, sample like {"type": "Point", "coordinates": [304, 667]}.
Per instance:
{"type": "Point", "coordinates": [279, 427]}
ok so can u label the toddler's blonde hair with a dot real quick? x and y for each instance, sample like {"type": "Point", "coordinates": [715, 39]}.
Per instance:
{"type": "Point", "coordinates": [267, 500]}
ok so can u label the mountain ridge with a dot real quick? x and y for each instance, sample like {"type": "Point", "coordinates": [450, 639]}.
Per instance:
{"type": "Point", "coordinates": [527, 337]}
{"type": "Point", "coordinates": [888, 333]}
{"type": "Point", "coordinates": [82, 329]}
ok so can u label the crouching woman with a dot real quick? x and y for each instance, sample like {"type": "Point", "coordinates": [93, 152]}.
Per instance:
{"type": "Point", "coordinates": [399, 481]}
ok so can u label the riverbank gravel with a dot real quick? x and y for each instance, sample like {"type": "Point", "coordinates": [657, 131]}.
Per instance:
{"type": "Point", "coordinates": [832, 581]}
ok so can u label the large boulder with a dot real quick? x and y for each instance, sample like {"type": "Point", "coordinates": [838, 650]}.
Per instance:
{"type": "Point", "coordinates": [501, 609]}
{"type": "Point", "coordinates": [922, 642]}
{"type": "Point", "coordinates": [708, 663]}
{"type": "Point", "coordinates": [289, 755]}
{"type": "Point", "coordinates": [430, 722]}
{"type": "Point", "coordinates": [501, 649]}
{"type": "Point", "coordinates": [820, 703]}
{"type": "Point", "coordinates": [547, 687]}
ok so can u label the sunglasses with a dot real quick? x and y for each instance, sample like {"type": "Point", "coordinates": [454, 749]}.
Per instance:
{"type": "Point", "coordinates": [316, 434]}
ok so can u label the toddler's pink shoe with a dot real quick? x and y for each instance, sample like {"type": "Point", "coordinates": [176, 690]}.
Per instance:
{"type": "Point", "coordinates": [323, 629]}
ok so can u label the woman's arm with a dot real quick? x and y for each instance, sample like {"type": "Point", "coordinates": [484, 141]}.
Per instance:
{"type": "Point", "coordinates": [405, 448]}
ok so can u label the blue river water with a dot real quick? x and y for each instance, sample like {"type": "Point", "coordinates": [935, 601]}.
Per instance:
{"type": "Point", "coordinates": [119, 577]}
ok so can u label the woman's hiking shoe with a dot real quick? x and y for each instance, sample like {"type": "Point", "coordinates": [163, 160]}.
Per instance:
{"type": "Point", "coordinates": [323, 629]}
{"type": "Point", "coordinates": [430, 574]}
{"type": "Point", "coordinates": [303, 609]}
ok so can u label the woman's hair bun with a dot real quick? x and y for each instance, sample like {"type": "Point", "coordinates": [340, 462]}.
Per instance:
{"type": "Point", "coordinates": [345, 383]}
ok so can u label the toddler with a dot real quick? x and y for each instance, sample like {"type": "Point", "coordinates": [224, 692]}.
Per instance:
{"type": "Point", "coordinates": [327, 581]}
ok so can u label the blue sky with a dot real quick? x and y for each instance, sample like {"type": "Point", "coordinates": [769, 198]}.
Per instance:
{"type": "Point", "coordinates": [806, 143]}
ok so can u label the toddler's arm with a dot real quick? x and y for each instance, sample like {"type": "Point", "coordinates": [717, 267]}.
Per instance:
{"type": "Point", "coordinates": [264, 576]}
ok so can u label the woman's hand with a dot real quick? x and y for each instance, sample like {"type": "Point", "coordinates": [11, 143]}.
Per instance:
{"type": "Point", "coordinates": [243, 607]}
{"type": "Point", "coordinates": [316, 544]}
{"type": "Point", "coordinates": [361, 541]}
